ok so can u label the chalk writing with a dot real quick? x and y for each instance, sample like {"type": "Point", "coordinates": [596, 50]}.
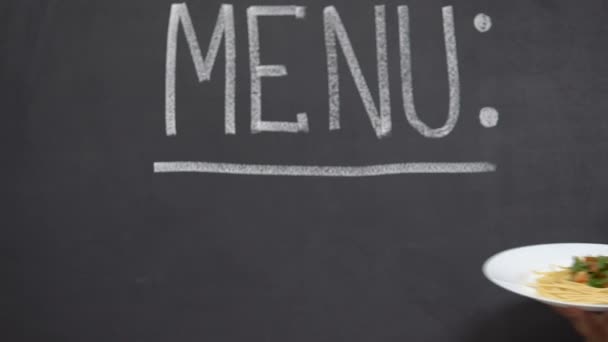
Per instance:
{"type": "Point", "coordinates": [488, 117]}
{"type": "Point", "coordinates": [322, 171]}
{"type": "Point", "coordinates": [223, 28]}
{"type": "Point", "coordinates": [406, 74]}
{"type": "Point", "coordinates": [258, 71]}
{"type": "Point", "coordinates": [482, 22]}
{"type": "Point", "coordinates": [334, 29]}
{"type": "Point", "coordinates": [336, 38]}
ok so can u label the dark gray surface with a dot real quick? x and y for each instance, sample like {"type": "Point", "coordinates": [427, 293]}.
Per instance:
{"type": "Point", "coordinates": [101, 249]}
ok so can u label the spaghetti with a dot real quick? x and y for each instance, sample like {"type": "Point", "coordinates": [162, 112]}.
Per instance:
{"type": "Point", "coordinates": [586, 281]}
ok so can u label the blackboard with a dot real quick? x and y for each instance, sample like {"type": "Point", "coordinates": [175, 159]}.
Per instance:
{"type": "Point", "coordinates": [331, 171]}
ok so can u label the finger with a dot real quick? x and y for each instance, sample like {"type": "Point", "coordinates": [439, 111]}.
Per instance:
{"type": "Point", "coordinates": [581, 323]}
{"type": "Point", "coordinates": [594, 327]}
{"type": "Point", "coordinates": [604, 318]}
{"type": "Point", "coordinates": [600, 324]}
{"type": "Point", "coordinates": [569, 313]}
{"type": "Point", "coordinates": [585, 323]}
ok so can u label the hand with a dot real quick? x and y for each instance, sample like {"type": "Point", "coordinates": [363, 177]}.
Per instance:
{"type": "Point", "coordinates": [592, 326]}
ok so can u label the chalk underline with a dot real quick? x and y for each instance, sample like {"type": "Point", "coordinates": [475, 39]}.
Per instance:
{"type": "Point", "coordinates": [323, 171]}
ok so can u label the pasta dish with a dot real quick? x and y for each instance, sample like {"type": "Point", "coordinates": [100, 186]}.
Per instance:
{"type": "Point", "coordinates": [585, 281]}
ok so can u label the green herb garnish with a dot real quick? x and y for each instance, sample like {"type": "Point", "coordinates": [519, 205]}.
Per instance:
{"type": "Point", "coordinates": [579, 266]}
{"type": "Point", "coordinates": [599, 283]}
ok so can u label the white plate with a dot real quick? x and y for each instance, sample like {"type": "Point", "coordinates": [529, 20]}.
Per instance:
{"type": "Point", "coordinates": [514, 269]}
